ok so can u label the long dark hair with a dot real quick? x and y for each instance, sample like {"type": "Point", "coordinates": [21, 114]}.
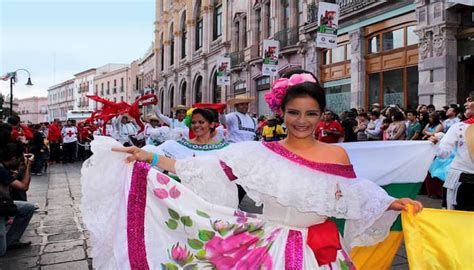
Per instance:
{"type": "Point", "coordinates": [310, 89]}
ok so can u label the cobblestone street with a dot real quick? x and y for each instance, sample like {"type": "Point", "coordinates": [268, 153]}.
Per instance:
{"type": "Point", "coordinates": [59, 238]}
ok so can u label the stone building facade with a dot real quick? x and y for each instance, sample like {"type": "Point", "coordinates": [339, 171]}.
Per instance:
{"type": "Point", "coordinates": [60, 100]}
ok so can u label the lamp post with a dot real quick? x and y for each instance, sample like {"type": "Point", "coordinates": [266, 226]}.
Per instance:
{"type": "Point", "coordinates": [12, 82]}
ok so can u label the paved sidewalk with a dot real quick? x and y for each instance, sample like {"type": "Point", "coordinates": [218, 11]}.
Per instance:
{"type": "Point", "coordinates": [56, 229]}
{"type": "Point", "coordinates": [58, 235]}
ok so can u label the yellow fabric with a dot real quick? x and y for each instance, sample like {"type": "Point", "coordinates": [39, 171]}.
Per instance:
{"type": "Point", "coordinates": [268, 131]}
{"type": "Point", "coordinates": [439, 239]}
{"type": "Point", "coordinates": [379, 256]}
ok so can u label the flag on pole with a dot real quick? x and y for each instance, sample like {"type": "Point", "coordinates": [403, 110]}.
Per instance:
{"type": "Point", "coordinates": [6, 76]}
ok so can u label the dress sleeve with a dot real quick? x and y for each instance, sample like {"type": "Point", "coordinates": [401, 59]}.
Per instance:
{"type": "Point", "coordinates": [374, 222]}
{"type": "Point", "coordinates": [206, 177]}
{"type": "Point", "coordinates": [448, 143]}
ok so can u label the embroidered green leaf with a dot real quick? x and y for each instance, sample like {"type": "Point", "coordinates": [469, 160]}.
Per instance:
{"type": "Point", "coordinates": [191, 267]}
{"type": "Point", "coordinates": [201, 255]}
{"type": "Point", "coordinates": [173, 214]}
{"type": "Point", "coordinates": [187, 221]}
{"type": "Point", "coordinates": [206, 235]}
{"type": "Point", "coordinates": [343, 265]}
{"type": "Point", "coordinates": [172, 224]}
{"type": "Point", "coordinates": [195, 244]}
{"type": "Point", "coordinates": [202, 214]}
{"type": "Point", "coordinates": [169, 266]}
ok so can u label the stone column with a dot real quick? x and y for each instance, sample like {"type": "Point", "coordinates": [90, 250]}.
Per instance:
{"type": "Point", "coordinates": [357, 68]}
{"type": "Point", "coordinates": [207, 12]}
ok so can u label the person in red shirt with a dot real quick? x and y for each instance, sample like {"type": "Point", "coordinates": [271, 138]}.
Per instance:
{"type": "Point", "coordinates": [54, 138]}
{"type": "Point", "coordinates": [20, 132]}
{"type": "Point", "coordinates": [329, 130]}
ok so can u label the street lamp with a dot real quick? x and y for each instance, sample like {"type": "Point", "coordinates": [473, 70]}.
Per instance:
{"type": "Point", "coordinates": [12, 82]}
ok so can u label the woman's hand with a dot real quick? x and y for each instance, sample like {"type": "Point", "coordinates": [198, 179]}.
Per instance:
{"type": "Point", "coordinates": [402, 204]}
{"type": "Point", "coordinates": [433, 139]}
{"type": "Point", "coordinates": [135, 152]}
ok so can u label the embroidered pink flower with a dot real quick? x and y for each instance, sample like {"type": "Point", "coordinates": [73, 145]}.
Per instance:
{"type": "Point", "coordinates": [225, 253]}
{"type": "Point", "coordinates": [222, 226]}
{"type": "Point", "coordinates": [162, 179]}
{"type": "Point", "coordinates": [181, 255]}
{"type": "Point", "coordinates": [161, 193]}
{"type": "Point", "coordinates": [257, 259]}
{"type": "Point", "coordinates": [275, 97]}
{"type": "Point", "coordinates": [174, 192]}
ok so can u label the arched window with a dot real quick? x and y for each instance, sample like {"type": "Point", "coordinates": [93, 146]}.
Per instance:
{"type": "Point", "coordinates": [183, 93]}
{"type": "Point", "coordinates": [198, 90]}
{"type": "Point", "coordinates": [199, 25]}
{"type": "Point", "coordinates": [162, 98]}
{"type": "Point", "coordinates": [216, 90]}
{"type": "Point", "coordinates": [183, 35]}
{"type": "Point", "coordinates": [217, 19]}
{"type": "Point", "coordinates": [171, 45]}
{"type": "Point", "coordinates": [171, 96]}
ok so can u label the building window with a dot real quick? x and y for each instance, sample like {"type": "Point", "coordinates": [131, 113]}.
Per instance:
{"type": "Point", "coordinates": [244, 34]}
{"type": "Point", "coordinates": [183, 35]}
{"type": "Point", "coordinates": [216, 95]}
{"type": "Point", "coordinates": [217, 19]}
{"type": "Point", "coordinates": [374, 88]}
{"type": "Point", "coordinates": [162, 55]}
{"type": "Point", "coordinates": [115, 87]}
{"type": "Point", "coordinates": [183, 93]}
{"type": "Point", "coordinates": [338, 98]}
{"type": "Point", "coordinates": [393, 39]}
{"type": "Point", "coordinates": [121, 98]}
{"type": "Point", "coordinates": [199, 26]}
{"type": "Point", "coordinates": [198, 90]}
{"type": "Point", "coordinates": [393, 87]}
{"type": "Point", "coordinates": [171, 45]}
{"type": "Point", "coordinates": [374, 44]}
{"type": "Point", "coordinates": [269, 19]}
{"type": "Point", "coordinates": [121, 85]}
{"type": "Point", "coordinates": [237, 35]}
{"type": "Point", "coordinates": [412, 87]}
{"type": "Point", "coordinates": [171, 97]}
{"type": "Point", "coordinates": [108, 88]}
{"type": "Point", "coordinates": [348, 51]}
{"type": "Point", "coordinates": [162, 98]}
{"type": "Point", "coordinates": [337, 54]}
{"type": "Point", "coordinates": [340, 54]}
{"type": "Point", "coordinates": [240, 88]}
{"type": "Point", "coordinates": [258, 32]}
{"type": "Point", "coordinates": [412, 37]}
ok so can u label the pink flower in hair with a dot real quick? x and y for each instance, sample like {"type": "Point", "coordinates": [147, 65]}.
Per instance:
{"type": "Point", "coordinates": [274, 98]}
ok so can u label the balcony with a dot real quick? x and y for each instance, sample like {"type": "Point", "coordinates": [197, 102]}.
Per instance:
{"type": "Point", "coordinates": [312, 13]}
{"type": "Point", "coordinates": [236, 58]}
{"type": "Point", "coordinates": [287, 37]}
{"type": "Point", "coordinates": [347, 6]}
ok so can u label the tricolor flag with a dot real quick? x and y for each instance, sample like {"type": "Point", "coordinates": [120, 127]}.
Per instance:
{"type": "Point", "coordinates": [400, 168]}
{"type": "Point", "coordinates": [6, 76]}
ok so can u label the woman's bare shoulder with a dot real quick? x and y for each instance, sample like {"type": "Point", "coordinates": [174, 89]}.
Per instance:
{"type": "Point", "coordinates": [337, 154]}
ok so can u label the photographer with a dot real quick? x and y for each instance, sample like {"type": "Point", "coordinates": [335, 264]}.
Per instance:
{"type": "Point", "coordinates": [11, 156]}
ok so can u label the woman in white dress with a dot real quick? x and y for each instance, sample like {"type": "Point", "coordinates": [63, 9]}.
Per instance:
{"type": "Point", "coordinates": [300, 181]}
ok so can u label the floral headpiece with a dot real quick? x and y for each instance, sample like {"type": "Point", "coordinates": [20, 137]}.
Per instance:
{"type": "Point", "coordinates": [274, 98]}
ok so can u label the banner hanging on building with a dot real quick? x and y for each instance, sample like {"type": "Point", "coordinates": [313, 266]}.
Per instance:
{"type": "Point", "coordinates": [223, 65]}
{"type": "Point", "coordinates": [328, 17]}
{"type": "Point", "coordinates": [271, 49]}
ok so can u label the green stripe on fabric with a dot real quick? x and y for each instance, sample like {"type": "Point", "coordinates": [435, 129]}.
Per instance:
{"type": "Point", "coordinates": [404, 190]}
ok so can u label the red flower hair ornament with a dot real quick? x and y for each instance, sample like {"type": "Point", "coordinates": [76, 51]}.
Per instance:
{"type": "Point", "coordinates": [274, 98]}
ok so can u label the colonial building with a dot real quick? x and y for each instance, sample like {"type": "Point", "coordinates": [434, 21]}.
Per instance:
{"type": "Point", "coordinates": [33, 110]}
{"type": "Point", "coordinates": [113, 85]}
{"type": "Point", "coordinates": [83, 86]}
{"type": "Point", "coordinates": [189, 37]}
{"type": "Point", "coordinates": [145, 79]}
{"type": "Point", "coordinates": [60, 100]}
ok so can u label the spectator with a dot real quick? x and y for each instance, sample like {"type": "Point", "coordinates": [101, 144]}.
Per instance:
{"type": "Point", "coordinates": [434, 126]}
{"type": "Point", "coordinates": [373, 130]}
{"type": "Point", "coordinates": [375, 107]}
{"type": "Point", "coordinates": [413, 126]}
{"type": "Point", "coordinates": [396, 129]}
{"type": "Point", "coordinates": [272, 131]}
{"type": "Point", "coordinates": [69, 134]}
{"type": "Point", "coordinates": [350, 125]}
{"type": "Point", "coordinates": [124, 129]}
{"type": "Point", "coordinates": [54, 138]}
{"type": "Point", "coordinates": [38, 149]}
{"type": "Point", "coordinates": [329, 130]}
{"type": "Point", "coordinates": [11, 156]}
{"type": "Point", "coordinates": [20, 132]}
{"type": "Point", "coordinates": [423, 119]}
{"type": "Point", "coordinates": [452, 117]}
{"type": "Point", "coordinates": [431, 108]}
{"type": "Point", "coordinates": [422, 108]}
{"type": "Point", "coordinates": [362, 123]}
{"type": "Point", "coordinates": [384, 127]}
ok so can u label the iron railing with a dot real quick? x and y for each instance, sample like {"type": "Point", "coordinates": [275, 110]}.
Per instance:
{"type": "Point", "coordinates": [236, 58]}
{"type": "Point", "coordinates": [347, 6]}
{"type": "Point", "coordinates": [287, 37]}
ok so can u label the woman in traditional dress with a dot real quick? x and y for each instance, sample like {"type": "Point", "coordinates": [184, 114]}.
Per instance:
{"type": "Point", "coordinates": [300, 181]}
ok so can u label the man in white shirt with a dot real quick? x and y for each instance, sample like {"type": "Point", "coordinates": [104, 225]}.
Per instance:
{"type": "Point", "coordinates": [178, 128]}
{"type": "Point", "coordinates": [124, 129]}
{"type": "Point", "coordinates": [240, 125]}
{"type": "Point", "coordinates": [373, 130]}
{"type": "Point", "coordinates": [453, 118]}
{"type": "Point", "coordinates": [69, 133]}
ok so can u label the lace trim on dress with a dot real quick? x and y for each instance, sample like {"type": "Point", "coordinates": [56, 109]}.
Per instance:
{"type": "Point", "coordinates": [330, 168]}
{"type": "Point", "coordinates": [136, 217]}
{"type": "Point", "coordinates": [203, 147]}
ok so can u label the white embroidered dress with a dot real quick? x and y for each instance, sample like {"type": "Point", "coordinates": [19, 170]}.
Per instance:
{"type": "Point", "coordinates": [139, 219]}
